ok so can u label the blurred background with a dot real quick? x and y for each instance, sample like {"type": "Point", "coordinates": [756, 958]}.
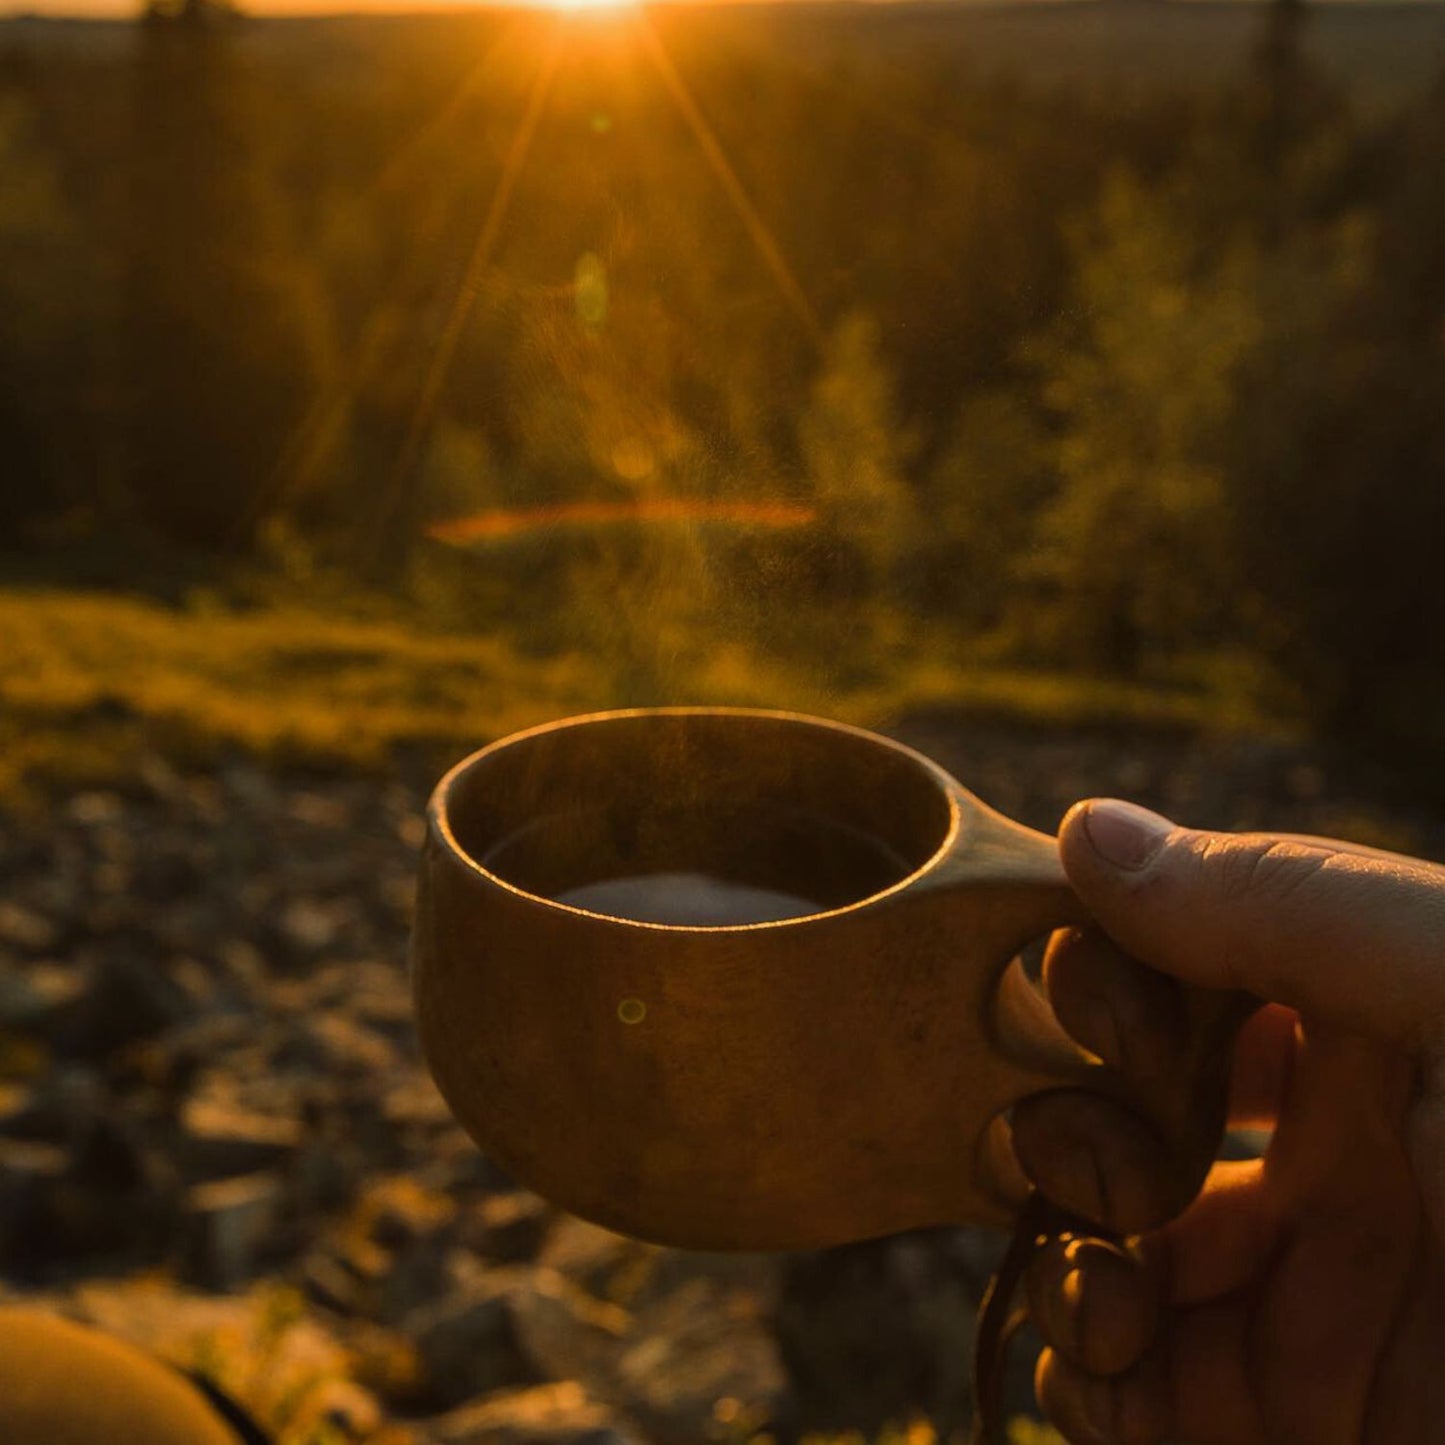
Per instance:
{"type": "Point", "coordinates": [1057, 386]}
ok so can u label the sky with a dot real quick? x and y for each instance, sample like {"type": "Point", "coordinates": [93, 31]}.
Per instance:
{"type": "Point", "coordinates": [126, 9]}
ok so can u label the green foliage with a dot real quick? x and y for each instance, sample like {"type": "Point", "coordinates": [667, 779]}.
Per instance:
{"type": "Point", "coordinates": [52, 290]}
{"type": "Point", "coordinates": [1131, 560]}
{"type": "Point", "coordinates": [982, 499]}
{"type": "Point", "coordinates": [853, 453]}
{"type": "Point", "coordinates": [91, 684]}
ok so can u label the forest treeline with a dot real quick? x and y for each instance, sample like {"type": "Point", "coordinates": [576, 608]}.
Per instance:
{"type": "Point", "coordinates": [1141, 380]}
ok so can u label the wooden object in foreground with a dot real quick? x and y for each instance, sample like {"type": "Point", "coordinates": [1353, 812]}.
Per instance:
{"type": "Point", "coordinates": [63, 1384]}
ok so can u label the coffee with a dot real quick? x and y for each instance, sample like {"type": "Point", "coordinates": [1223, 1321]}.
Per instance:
{"type": "Point", "coordinates": [709, 863]}
{"type": "Point", "coordinates": [696, 899]}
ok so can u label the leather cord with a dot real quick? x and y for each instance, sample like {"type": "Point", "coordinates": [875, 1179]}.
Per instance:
{"type": "Point", "coordinates": [1039, 1223]}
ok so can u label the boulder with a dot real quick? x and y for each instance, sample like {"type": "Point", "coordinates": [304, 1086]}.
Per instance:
{"type": "Point", "coordinates": [128, 997]}
{"type": "Point", "coordinates": [27, 930]}
{"type": "Point", "coordinates": [558, 1414]}
{"type": "Point", "coordinates": [35, 997]}
{"type": "Point", "coordinates": [509, 1228]}
{"type": "Point", "coordinates": [879, 1333]}
{"type": "Point", "coordinates": [468, 1345]}
{"type": "Point", "coordinates": [230, 1227]}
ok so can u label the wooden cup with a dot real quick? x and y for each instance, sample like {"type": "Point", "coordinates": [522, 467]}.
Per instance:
{"type": "Point", "coordinates": [777, 1085]}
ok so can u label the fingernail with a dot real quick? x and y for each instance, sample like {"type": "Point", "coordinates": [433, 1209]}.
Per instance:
{"type": "Point", "coordinates": [1103, 1033]}
{"type": "Point", "coordinates": [1125, 835]}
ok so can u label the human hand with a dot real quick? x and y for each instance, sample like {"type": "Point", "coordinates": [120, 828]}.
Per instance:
{"type": "Point", "coordinates": [1300, 1298]}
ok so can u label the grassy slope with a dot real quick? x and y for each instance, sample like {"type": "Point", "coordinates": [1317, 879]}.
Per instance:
{"type": "Point", "coordinates": [90, 682]}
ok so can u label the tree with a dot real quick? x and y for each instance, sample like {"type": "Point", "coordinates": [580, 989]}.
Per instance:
{"type": "Point", "coordinates": [853, 448]}
{"type": "Point", "coordinates": [1130, 562]}
{"type": "Point", "coordinates": [52, 294]}
{"type": "Point", "coordinates": [215, 359]}
{"type": "Point", "coordinates": [983, 498]}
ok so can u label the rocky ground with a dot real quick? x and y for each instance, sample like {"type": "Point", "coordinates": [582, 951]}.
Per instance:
{"type": "Point", "coordinates": [216, 1136]}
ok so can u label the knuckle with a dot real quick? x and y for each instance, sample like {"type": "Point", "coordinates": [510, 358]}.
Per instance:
{"type": "Point", "coordinates": [1248, 869]}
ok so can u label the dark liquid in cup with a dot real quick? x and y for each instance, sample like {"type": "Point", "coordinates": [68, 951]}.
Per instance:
{"type": "Point", "coordinates": [708, 866]}
{"type": "Point", "coordinates": [687, 898]}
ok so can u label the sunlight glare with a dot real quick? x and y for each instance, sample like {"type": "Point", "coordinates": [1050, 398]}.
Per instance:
{"type": "Point", "coordinates": [572, 7]}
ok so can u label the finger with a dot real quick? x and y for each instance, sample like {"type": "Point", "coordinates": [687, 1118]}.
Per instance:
{"type": "Point", "coordinates": [1264, 1056]}
{"type": "Point", "coordinates": [1223, 1241]}
{"type": "Point", "coordinates": [1088, 1409]}
{"type": "Point", "coordinates": [1094, 1302]}
{"type": "Point", "coordinates": [1195, 1384]}
{"type": "Point", "coordinates": [1342, 1144]}
{"type": "Point", "coordinates": [1096, 1159]}
{"type": "Point", "coordinates": [1131, 1016]}
{"type": "Point", "coordinates": [1349, 934]}
{"type": "Point", "coordinates": [1139, 1021]}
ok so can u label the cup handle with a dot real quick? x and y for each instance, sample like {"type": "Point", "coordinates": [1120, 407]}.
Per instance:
{"type": "Point", "coordinates": [1015, 874]}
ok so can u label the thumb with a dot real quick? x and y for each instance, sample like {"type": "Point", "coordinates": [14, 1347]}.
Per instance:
{"type": "Point", "coordinates": [1340, 932]}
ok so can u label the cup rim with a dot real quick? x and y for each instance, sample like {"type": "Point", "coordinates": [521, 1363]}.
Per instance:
{"type": "Point", "coordinates": [439, 822]}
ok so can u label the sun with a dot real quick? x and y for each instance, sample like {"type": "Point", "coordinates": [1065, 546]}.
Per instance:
{"type": "Point", "coordinates": [572, 7]}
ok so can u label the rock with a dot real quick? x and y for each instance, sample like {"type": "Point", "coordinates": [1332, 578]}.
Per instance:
{"type": "Point", "coordinates": [560, 1414]}
{"type": "Point", "coordinates": [391, 1286]}
{"type": "Point", "coordinates": [165, 875]}
{"type": "Point", "coordinates": [336, 1046]}
{"type": "Point", "coordinates": [56, 1107]}
{"type": "Point", "coordinates": [222, 1141]}
{"type": "Point", "coordinates": [704, 1344]}
{"type": "Point", "coordinates": [509, 1228]}
{"type": "Point", "coordinates": [30, 1159]}
{"type": "Point", "coordinates": [398, 895]}
{"type": "Point", "coordinates": [607, 1265]}
{"type": "Point", "coordinates": [468, 1345]}
{"type": "Point", "coordinates": [91, 809]}
{"type": "Point", "coordinates": [878, 1333]}
{"type": "Point", "coordinates": [397, 1211]}
{"type": "Point", "coordinates": [309, 926]}
{"type": "Point", "coordinates": [345, 1410]}
{"type": "Point", "coordinates": [316, 810]}
{"type": "Point", "coordinates": [16, 1101]}
{"type": "Point", "coordinates": [400, 1246]}
{"type": "Point", "coordinates": [127, 998]}
{"type": "Point", "coordinates": [326, 1281]}
{"type": "Point", "coordinates": [119, 1197]}
{"type": "Point", "coordinates": [568, 1333]}
{"type": "Point", "coordinates": [386, 1362]}
{"type": "Point", "coordinates": [379, 995]}
{"type": "Point", "coordinates": [325, 1173]}
{"type": "Point", "coordinates": [30, 1172]}
{"type": "Point", "coordinates": [425, 1270]}
{"type": "Point", "coordinates": [35, 999]}
{"type": "Point", "coordinates": [230, 1224]}
{"type": "Point", "coordinates": [241, 964]}
{"type": "Point", "coordinates": [412, 1102]}
{"type": "Point", "coordinates": [191, 1048]}
{"type": "Point", "coordinates": [26, 930]}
